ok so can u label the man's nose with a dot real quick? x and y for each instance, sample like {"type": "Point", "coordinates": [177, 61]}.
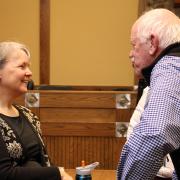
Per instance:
{"type": "Point", "coordinates": [131, 57]}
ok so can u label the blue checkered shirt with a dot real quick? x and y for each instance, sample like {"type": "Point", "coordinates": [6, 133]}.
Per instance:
{"type": "Point", "coordinates": [158, 132]}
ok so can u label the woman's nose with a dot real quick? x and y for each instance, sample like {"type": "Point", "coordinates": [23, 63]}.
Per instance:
{"type": "Point", "coordinates": [28, 72]}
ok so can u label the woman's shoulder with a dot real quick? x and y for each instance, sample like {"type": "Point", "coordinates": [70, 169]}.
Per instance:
{"type": "Point", "coordinates": [22, 108]}
{"type": "Point", "coordinates": [31, 117]}
{"type": "Point", "coordinates": [28, 114]}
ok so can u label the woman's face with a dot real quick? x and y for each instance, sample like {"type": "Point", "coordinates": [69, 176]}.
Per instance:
{"type": "Point", "coordinates": [15, 74]}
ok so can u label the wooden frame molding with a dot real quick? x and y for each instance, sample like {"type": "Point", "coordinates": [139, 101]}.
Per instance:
{"type": "Point", "coordinates": [44, 42]}
{"type": "Point", "coordinates": [177, 3]}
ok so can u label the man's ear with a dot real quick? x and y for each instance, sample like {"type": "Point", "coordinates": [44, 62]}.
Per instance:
{"type": "Point", "coordinates": [154, 44]}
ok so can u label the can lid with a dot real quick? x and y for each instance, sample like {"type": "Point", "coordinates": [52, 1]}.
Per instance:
{"type": "Point", "coordinates": [86, 170]}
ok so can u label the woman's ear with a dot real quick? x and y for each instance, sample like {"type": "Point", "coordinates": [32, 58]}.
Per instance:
{"type": "Point", "coordinates": [154, 44]}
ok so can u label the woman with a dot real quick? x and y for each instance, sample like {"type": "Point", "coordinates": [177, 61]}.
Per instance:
{"type": "Point", "coordinates": [22, 152]}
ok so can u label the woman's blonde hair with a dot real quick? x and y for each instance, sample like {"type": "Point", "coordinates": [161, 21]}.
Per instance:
{"type": "Point", "coordinates": [7, 47]}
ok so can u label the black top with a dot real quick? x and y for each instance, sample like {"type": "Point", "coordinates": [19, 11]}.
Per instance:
{"type": "Point", "coordinates": [24, 131]}
{"type": "Point", "coordinates": [30, 169]}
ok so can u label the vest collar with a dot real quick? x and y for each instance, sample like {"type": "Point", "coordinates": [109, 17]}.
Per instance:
{"type": "Point", "coordinates": [172, 50]}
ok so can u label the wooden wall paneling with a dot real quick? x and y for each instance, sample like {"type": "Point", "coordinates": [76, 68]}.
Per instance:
{"type": "Point", "coordinates": [66, 155]}
{"type": "Point", "coordinates": [123, 115]}
{"type": "Point", "coordinates": [36, 111]}
{"type": "Point", "coordinates": [110, 155]}
{"type": "Point", "coordinates": [94, 88]}
{"type": "Point", "coordinates": [77, 99]}
{"type": "Point", "coordinates": [80, 155]}
{"type": "Point", "coordinates": [91, 149]}
{"type": "Point", "coordinates": [93, 115]}
{"type": "Point", "coordinates": [81, 126]}
{"type": "Point", "coordinates": [94, 149]}
{"type": "Point", "coordinates": [133, 99]}
{"type": "Point", "coordinates": [82, 99]}
{"type": "Point", "coordinates": [61, 150]}
{"type": "Point", "coordinates": [106, 152]}
{"type": "Point", "coordinates": [71, 151]}
{"type": "Point", "coordinates": [177, 4]}
{"type": "Point", "coordinates": [61, 158]}
{"type": "Point", "coordinates": [99, 154]}
{"type": "Point", "coordinates": [68, 150]}
{"type": "Point", "coordinates": [78, 129]}
{"type": "Point", "coordinates": [52, 148]}
{"type": "Point", "coordinates": [75, 151]}
{"type": "Point", "coordinates": [44, 42]}
{"type": "Point", "coordinates": [56, 151]}
{"type": "Point", "coordinates": [101, 150]}
{"type": "Point", "coordinates": [87, 150]}
{"type": "Point", "coordinates": [117, 144]}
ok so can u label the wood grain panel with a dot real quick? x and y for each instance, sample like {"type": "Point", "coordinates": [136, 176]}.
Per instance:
{"type": "Point", "coordinates": [78, 129]}
{"type": "Point", "coordinates": [81, 99]}
{"type": "Point", "coordinates": [80, 125]}
{"type": "Point", "coordinates": [133, 99]}
{"type": "Point", "coordinates": [123, 115]}
{"type": "Point", "coordinates": [77, 99]}
{"type": "Point", "coordinates": [95, 115]}
{"type": "Point", "coordinates": [44, 42]}
{"type": "Point", "coordinates": [177, 1]}
{"type": "Point", "coordinates": [72, 150]}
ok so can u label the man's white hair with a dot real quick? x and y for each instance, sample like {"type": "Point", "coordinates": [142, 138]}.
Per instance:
{"type": "Point", "coordinates": [161, 22]}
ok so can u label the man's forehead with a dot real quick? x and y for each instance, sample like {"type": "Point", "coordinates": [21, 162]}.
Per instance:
{"type": "Point", "coordinates": [133, 38]}
{"type": "Point", "coordinates": [133, 32]}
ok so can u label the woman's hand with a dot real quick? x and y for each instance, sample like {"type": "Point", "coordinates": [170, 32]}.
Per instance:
{"type": "Point", "coordinates": [64, 175]}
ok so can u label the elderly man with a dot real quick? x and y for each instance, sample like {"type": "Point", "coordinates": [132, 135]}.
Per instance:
{"type": "Point", "coordinates": [155, 55]}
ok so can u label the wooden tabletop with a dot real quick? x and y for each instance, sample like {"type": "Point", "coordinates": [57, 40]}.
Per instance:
{"type": "Point", "coordinates": [98, 174]}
